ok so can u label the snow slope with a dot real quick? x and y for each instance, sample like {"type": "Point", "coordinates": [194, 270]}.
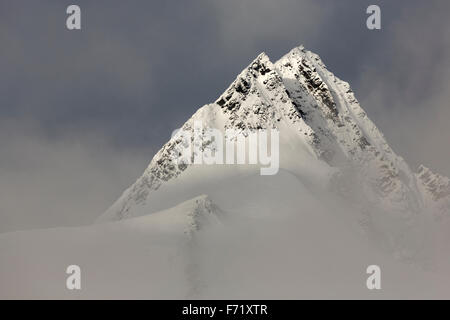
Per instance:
{"type": "Point", "coordinates": [138, 258]}
{"type": "Point", "coordinates": [289, 245]}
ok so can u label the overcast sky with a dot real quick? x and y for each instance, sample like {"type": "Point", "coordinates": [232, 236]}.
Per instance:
{"type": "Point", "coordinates": [82, 112]}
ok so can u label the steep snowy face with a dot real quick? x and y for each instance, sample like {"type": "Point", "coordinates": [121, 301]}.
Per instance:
{"type": "Point", "coordinates": [257, 99]}
{"type": "Point", "coordinates": [324, 136]}
{"type": "Point", "coordinates": [345, 137]}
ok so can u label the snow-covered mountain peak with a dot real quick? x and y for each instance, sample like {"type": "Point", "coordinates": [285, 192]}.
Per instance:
{"type": "Point", "coordinates": [326, 139]}
{"type": "Point", "coordinates": [257, 98]}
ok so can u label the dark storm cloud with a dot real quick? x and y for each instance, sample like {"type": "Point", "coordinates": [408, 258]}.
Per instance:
{"type": "Point", "coordinates": [138, 69]}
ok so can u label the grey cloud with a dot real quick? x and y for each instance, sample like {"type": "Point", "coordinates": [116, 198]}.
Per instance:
{"type": "Point", "coordinates": [404, 85]}
{"type": "Point", "coordinates": [60, 182]}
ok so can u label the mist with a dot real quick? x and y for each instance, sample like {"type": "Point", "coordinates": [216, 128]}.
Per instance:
{"type": "Point", "coordinates": [309, 247]}
{"type": "Point", "coordinates": [61, 181]}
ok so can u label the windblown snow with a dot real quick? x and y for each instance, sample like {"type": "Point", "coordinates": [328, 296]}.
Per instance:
{"type": "Point", "coordinates": [341, 200]}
